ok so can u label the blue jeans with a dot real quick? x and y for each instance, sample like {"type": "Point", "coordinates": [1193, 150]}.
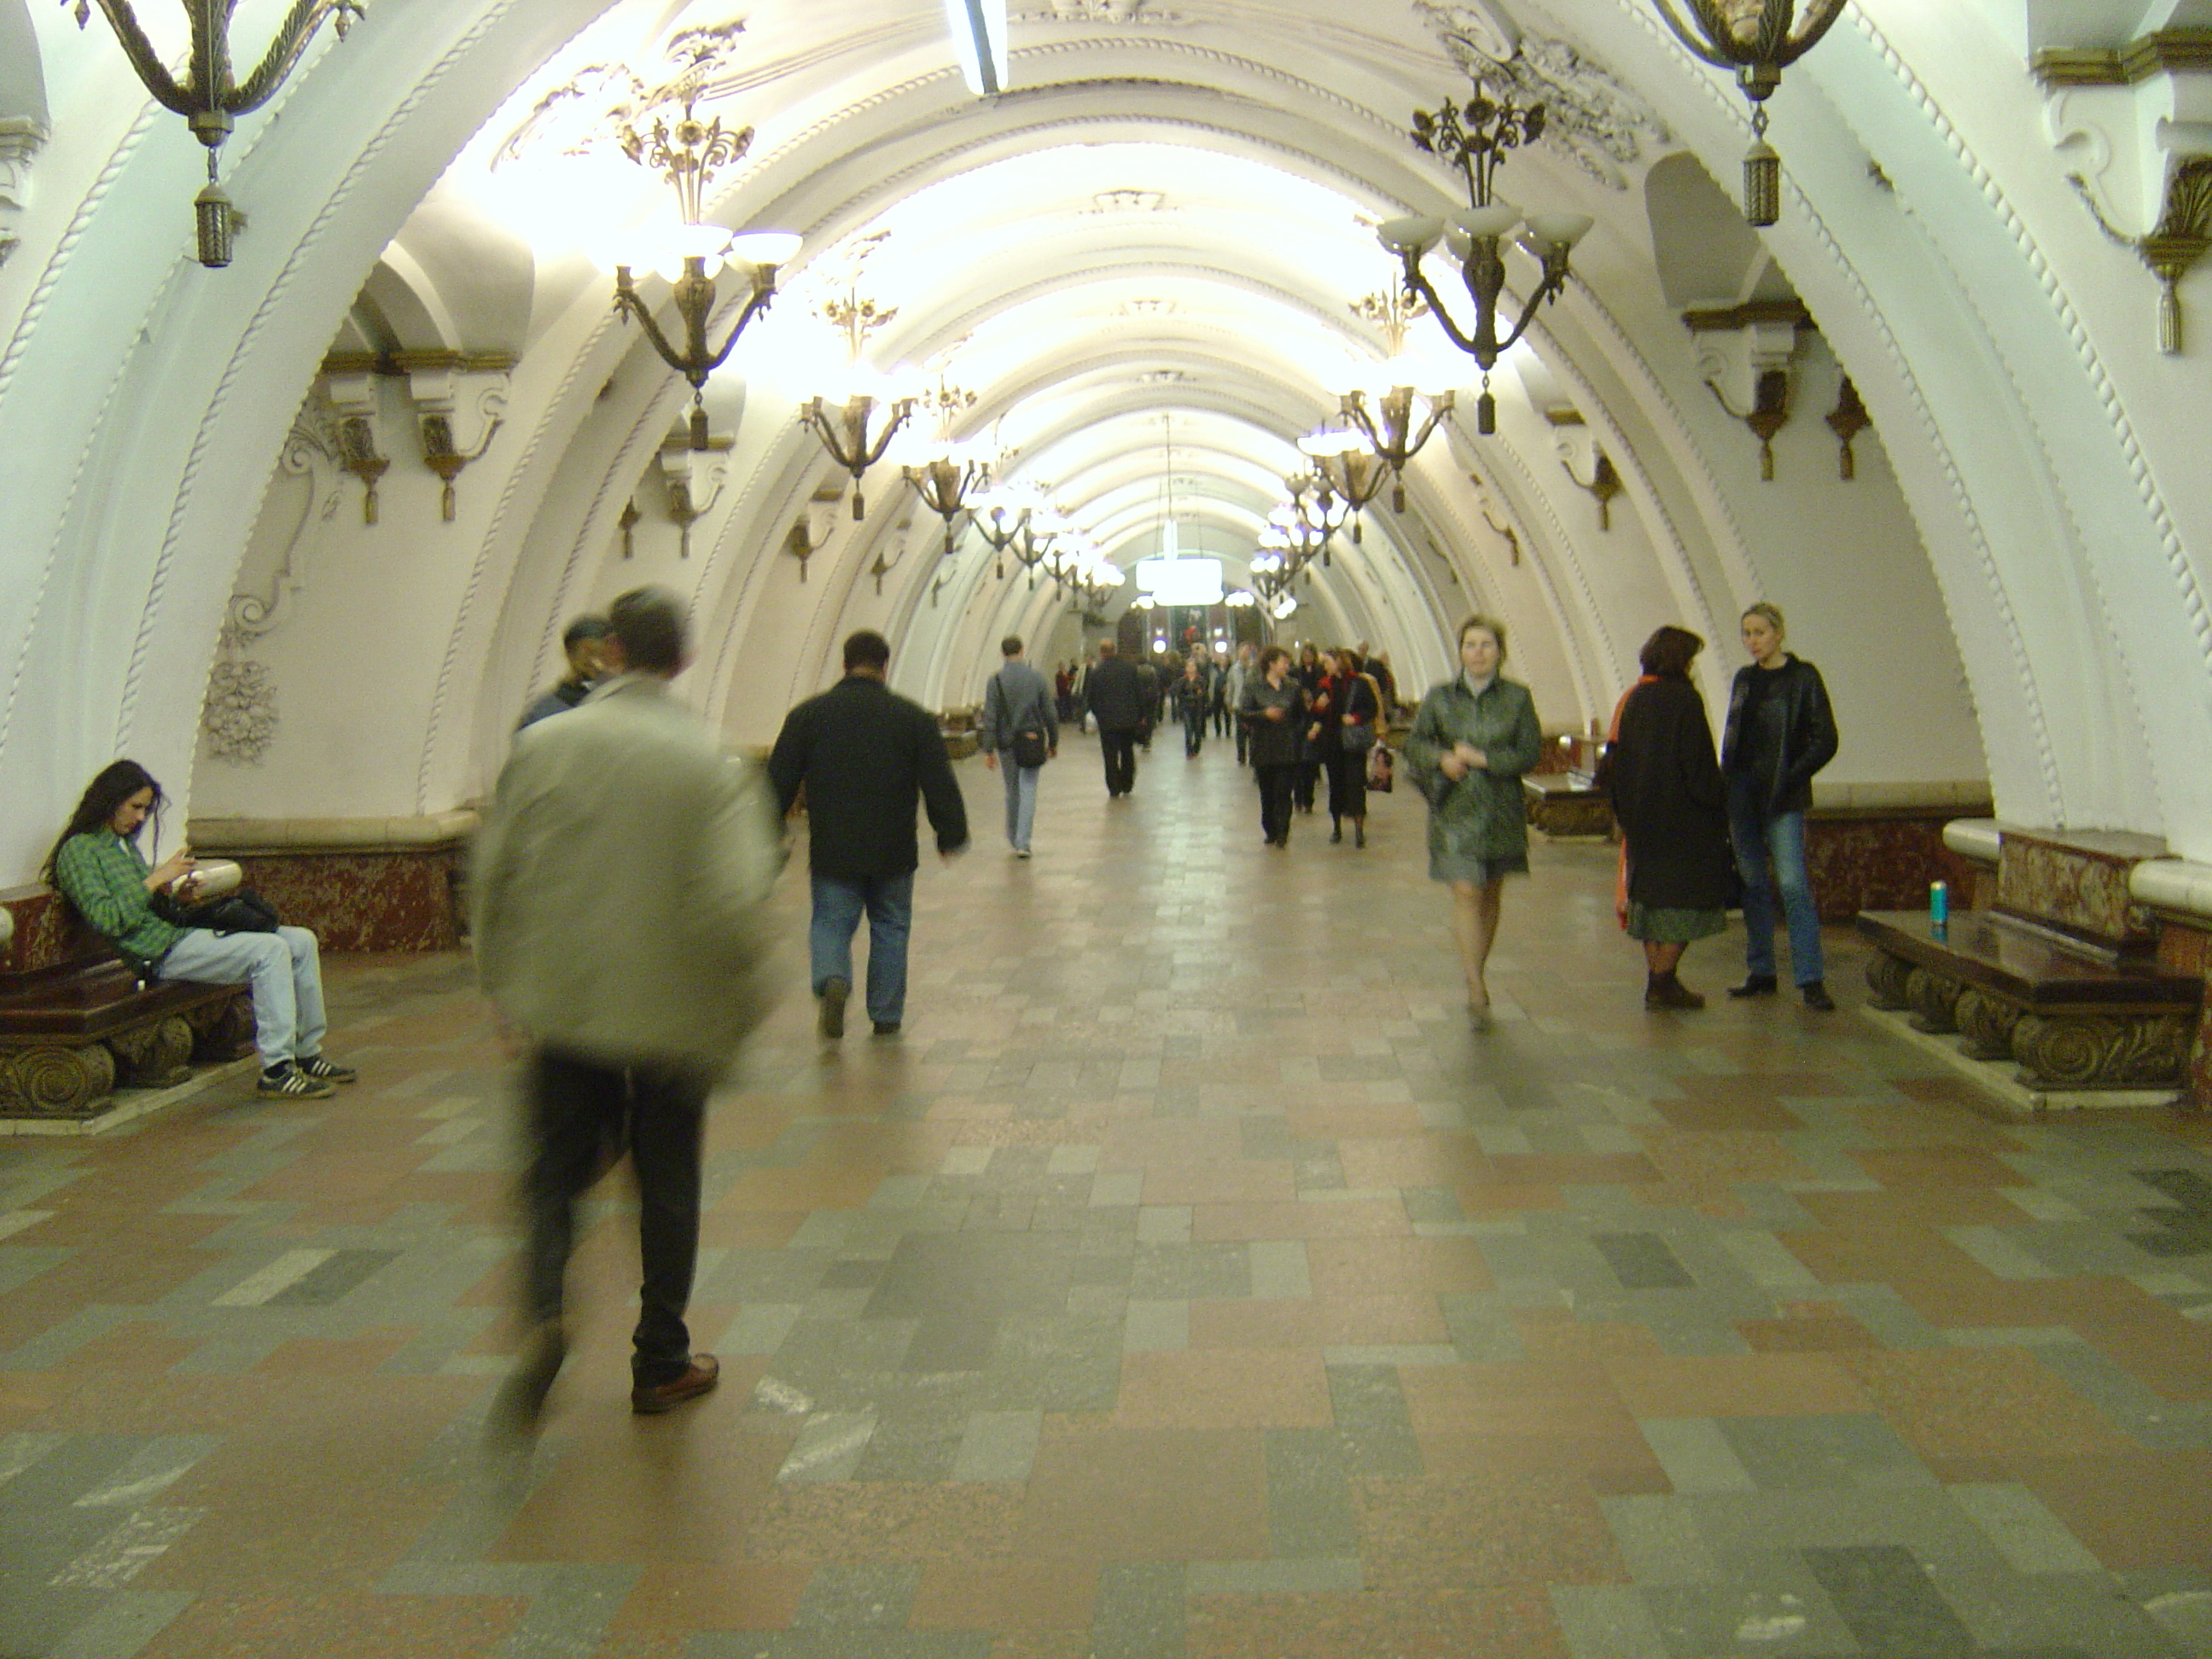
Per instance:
{"type": "Point", "coordinates": [285, 972]}
{"type": "Point", "coordinates": [1773, 848]}
{"type": "Point", "coordinates": [838, 903]}
{"type": "Point", "coordinates": [1021, 800]}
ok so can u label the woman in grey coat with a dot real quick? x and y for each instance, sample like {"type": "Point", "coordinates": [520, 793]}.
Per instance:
{"type": "Point", "coordinates": [1474, 736]}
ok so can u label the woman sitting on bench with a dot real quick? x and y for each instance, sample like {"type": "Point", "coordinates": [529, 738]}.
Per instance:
{"type": "Point", "coordinates": [97, 865]}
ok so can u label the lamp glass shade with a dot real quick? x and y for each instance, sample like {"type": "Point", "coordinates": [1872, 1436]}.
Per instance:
{"type": "Point", "coordinates": [768, 248]}
{"type": "Point", "coordinates": [1414, 233]}
{"type": "Point", "coordinates": [1330, 442]}
{"type": "Point", "coordinates": [1496, 220]}
{"type": "Point", "coordinates": [1560, 229]}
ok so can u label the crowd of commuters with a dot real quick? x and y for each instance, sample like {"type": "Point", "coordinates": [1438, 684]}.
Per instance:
{"type": "Point", "coordinates": [619, 881]}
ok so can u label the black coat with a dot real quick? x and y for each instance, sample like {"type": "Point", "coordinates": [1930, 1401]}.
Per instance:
{"type": "Point", "coordinates": [867, 757]}
{"type": "Point", "coordinates": [1274, 743]}
{"type": "Point", "coordinates": [1118, 694]}
{"type": "Point", "coordinates": [1668, 796]}
{"type": "Point", "coordinates": [1808, 729]}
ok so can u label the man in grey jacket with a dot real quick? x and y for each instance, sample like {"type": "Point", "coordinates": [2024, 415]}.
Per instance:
{"type": "Point", "coordinates": [1017, 721]}
{"type": "Point", "coordinates": [619, 889]}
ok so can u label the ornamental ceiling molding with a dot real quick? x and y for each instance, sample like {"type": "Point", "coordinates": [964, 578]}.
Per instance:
{"type": "Point", "coordinates": [22, 137]}
{"type": "Point", "coordinates": [1592, 119]}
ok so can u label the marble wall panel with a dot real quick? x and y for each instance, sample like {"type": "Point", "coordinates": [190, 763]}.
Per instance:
{"type": "Point", "coordinates": [2186, 948]}
{"type": "Point", "coordinates": [1880, 861]}
{"type": "Point", "coordinates": [2078, 884]}
{"type": "Point", "coordinates": [47, 930]}
{"type": "Point", "coordinates": [380, 901]}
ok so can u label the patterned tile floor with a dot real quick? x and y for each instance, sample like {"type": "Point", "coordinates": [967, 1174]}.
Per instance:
{"type": "Point", "coordinates": [1187, 1283]}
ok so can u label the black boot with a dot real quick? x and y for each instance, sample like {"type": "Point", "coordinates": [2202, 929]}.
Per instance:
{"type": "Point", "coordinates": [1758, 985]}
{"type": "Point", "coordinates": [1335, 831]}
{"type": "Point", "coordinates": [1817, 997]}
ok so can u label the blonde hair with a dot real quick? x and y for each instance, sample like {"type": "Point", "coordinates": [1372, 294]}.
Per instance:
{"type": "Point", "coordinates": [1490, 625]}
{"type": "Point", "coordinates": [1772, 613]}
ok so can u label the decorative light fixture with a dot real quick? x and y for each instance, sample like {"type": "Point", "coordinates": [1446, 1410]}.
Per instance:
{"type": "Point", "coordinates": [1475, 138]}
{"type": "Point", "coordinates": [1388, 411]}
{"type": "Point", "coordinates": [687, 152]}
{"type": "Point", "coordinates": [979, 35]}
{"type": "Point", "coordinates": [946, 474]}
{"type": "Point", "coordinates": [842, 425]}
{"type": "Point", "coordinates": [209, 100]}
{"type": "Point", "coordinates": [1001, 515]}
{"type": "Point", "coordinates": [1348, 468]}
{"type": "Point", "coordinates": [1757, 38]}
{"type": "Point", "coordinates": [1170, 579]}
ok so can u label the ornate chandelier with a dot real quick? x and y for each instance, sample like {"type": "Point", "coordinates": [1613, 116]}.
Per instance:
{"type": "Point", "coordinates": [1397, 413]}
{"type": "Point", "coordinates": [1757, 38]}
{"type": "Point", "coordinates": [210, 98]}
{"type": "Point", "coordinates": [1348, 468]}
{"type": "Point", "coordinates": [946, 474]}
{"type": "Point", "coordinates": [1476, 138]}
{"type": "Point", "coordinates": [857, 421]}
{"type": "Point", "coordinates": [687, 152]}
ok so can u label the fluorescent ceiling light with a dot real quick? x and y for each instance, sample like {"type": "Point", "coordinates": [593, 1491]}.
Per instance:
{"type": "Point", "coordinates": [979, 34]}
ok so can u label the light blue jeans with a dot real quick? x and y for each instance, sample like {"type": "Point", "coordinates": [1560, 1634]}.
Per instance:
{"type": "Point", "coordinates": [1021, 800]}
{"type": "Point", "coordinates": [1773, 848]}
{"type": "Point", "coordinates": [285, 970]}
{"type": "Point", "coordinates": [839, 904]}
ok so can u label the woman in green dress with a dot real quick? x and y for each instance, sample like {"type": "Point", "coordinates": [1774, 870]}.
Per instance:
{"type": "Point", "coordinates": [1474, 736]}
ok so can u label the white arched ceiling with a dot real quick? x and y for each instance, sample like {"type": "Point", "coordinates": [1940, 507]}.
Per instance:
{"type": "Point", "coordinates": [2015, 573]}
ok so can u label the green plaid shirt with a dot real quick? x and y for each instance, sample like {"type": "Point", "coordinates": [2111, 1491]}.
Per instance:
{"type": "Point", "coordinates": [105, 877]}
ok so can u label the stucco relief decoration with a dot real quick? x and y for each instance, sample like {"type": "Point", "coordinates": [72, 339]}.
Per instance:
{"type": "Point", "coordinates": [1094, 11]}
{"type": "Point", "coordinates": [1591, 117]}
{"type": "Point", "coordinates": [240, 721]}
{"type": "Point", "coordinates": [311, 453]}
{"type": "Point", "coordinates": [21, 139]}
{"type": "Point", "coordinates": [610, 105]}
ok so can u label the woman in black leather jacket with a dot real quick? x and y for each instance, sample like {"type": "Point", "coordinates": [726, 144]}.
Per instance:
{"type": "Point", "coordinates": [1781, 731]}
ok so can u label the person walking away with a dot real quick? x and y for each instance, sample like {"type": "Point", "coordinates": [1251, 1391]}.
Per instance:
{"type": "Point", "coordinates": [1193, 699]}
{"type": "Point", "coordinates": [866, 756]}
{"type": "Point", "coordinates": [1781, 731]}
{"type": "Point", "coordinates": [1472, 738]}
{"type": "Point", "coordinates": [1352, 726]}
{"type": "Point", "coordinates": [620, 888]}
{"type": "Point", "coordinates": [1274, 712]}
{"type": "Point", "coordinates": [1114, 693]}
{"type": "Point", "coordinates": [585, 642]}
{"type": "Point", "coordinates": [1309, 674]}
{"type": "Point", "coordinates": [1021, 729]}
{"type": "Point", "coordinates": [1672, 807]}
{"type": "Point", "coordinates": [1241, 674]}
{"type": "Point", "coordinates": [97, 866]}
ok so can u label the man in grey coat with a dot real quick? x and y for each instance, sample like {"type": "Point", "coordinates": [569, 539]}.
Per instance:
{"type": "Point", "coordinates": [619, 890]}
{"type": "Point", "coordinates": [1017, 724]}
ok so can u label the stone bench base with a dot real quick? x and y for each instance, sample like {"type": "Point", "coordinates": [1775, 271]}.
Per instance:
{"type": "Point", "coordinates": [56, 1075]}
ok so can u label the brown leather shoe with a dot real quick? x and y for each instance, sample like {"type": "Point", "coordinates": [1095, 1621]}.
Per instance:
{"type": "Point", "coordinates": [699, 1377]}
{"type": "Point", "coordinates": [1665, 991]}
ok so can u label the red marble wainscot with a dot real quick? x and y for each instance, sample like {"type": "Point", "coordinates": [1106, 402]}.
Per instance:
{"type": "Point", "coordinates": [1861, 859]}
{"type": "Point", "coordinates": [392, 900]}
{"type": "Point", "coordinates": [2186, 948]}
{"type": "Point", "coordinates": [47, 930]}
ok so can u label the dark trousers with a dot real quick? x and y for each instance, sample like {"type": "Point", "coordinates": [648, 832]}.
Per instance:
{"type": "Point", "coordinates": [1118, 745]}
{"type": "Point", "coordinates": [579, 1108]}
{"type": "Point", "coordinates": [1303, 775]}
{"type": "Point", "coordinates": [1347, 784]}
{"type": "Point", "coordinates": [1275, 782]}
{"type": "Point", "coordinates": [1243, 741]}
{"type": "Point", "coordinates": [1193, 731]}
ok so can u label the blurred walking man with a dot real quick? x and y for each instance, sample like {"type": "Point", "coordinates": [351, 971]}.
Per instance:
{"type": "Point", "coordinates": [618, 889]}
{"type": "Point", "coordinates": [585, 642]}
{"type": "Point", "coordinates": [866, 756]}
{"type": "Point", "coordinates": [1116, 694]}
{"type": "Point", "coordinates": [1021, 732]}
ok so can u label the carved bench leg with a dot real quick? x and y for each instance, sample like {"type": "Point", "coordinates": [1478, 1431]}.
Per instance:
{"type": "Point", "coordinates": [154, 1056]}
{"type": "Point", "coordinates": [1987, 1024]}
{"type": "Point", "coordinates": [58, 1082]}
{"type": "Point", "coordinates": [1934, 1002]}
{"type": "Point", "coordinates": [2078, 1052]}
{"type": "Point", "coordinates": [223, 1030]}
{"type": "Point", "coordinates": [1885, 977]}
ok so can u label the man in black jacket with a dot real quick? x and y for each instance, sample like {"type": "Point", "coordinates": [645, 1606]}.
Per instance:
{"type": "Point", "coordinates": [1117, 693]}
{"type": "Point", "coordinates": [865, 755]}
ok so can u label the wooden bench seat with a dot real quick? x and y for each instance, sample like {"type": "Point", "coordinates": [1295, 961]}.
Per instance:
{"type": "Point", "coordinates": [2075, 1014]}
{"type": "Point", "coordinates": [75, 1022]}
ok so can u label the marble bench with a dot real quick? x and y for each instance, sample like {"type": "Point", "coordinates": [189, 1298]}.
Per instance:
{"type": "Point", "coordinates": [1566, 804]}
